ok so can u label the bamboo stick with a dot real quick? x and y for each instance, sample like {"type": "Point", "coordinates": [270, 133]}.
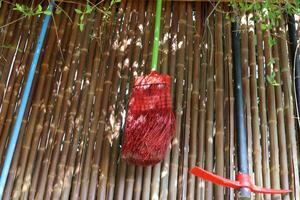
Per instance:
{"type": "Point", "coordinates": [36, 154]}
{"type": "Point", "coordinates": [219, 95]}
{"type": "Point", "coordinates": [92, 133]}
{"type": "Point", "coordinates": [246, 87]}
{"type": "Point", "coordinates": [262, 109]}
{"type": "Point", "coordinates": [50, 62]}
{"type": "Point", "coordinates": [8, 54]}
{"type": "Point", "coordinates": [272, 120]}
{"type": "Point", "coordinates": [10, 99]}
{"type": "Point", "coordinates": [202, 101]}
{"type": "Point", "coordinates": [118, 192]}
{"type": "Point", "coordinates": [123, 59]}
{"type": "Point", "coordinates": [34, 112]}
{"type": "Point", "coordinates": [81, 57]}
{"type": "Point", "coordinates": [183, 165]}
{"type": "Point", "coordinates": [288, 112]}
{"type": "Point", "coordinates": [179, 100]}
{"type": "Point", "coordinates": [254, 111]}
{"type": "Point", "coordinates": [130, 180]}
{"type": "Point", "coordinates": [195, 103]}
{"type": "Point", "coordinates": [75, 118]}
{"type": "Point", "coordinates": [209, 109]}
{"type": "Point", "coordinates": [229, 109]}
{"type": "Point", "coordinates": [66, 83]}
{"type": "Point", "coordinates": [280, 121]}
{"type": "Point", "coordinates": [107, 165]}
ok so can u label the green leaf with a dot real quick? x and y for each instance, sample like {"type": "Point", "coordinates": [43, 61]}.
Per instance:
{"type": "Point", "coordinates": [263, 27]}
{"type": "Point", "coordinates": [78, 11]}
{"type": "Point", "coordinates": [39, 8]}
{"type": "Point", "coordinates": [88, 9]}
{"type": "Point", "coordinates": [58, 10]}
{"type": "Point", "coordinates": [47, 12]}
{"type": "Point", "coordinates": [81, 27]}
{"type": "Point", "coordinates": [271, 62]}
{"type": "Point", "coordinates": [81, 18]}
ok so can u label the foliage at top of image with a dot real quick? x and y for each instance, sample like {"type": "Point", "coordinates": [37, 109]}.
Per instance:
{"type": "Point", "coordinates": [29, 11]}
{"type": "Point", "coordinates": [268, 13]}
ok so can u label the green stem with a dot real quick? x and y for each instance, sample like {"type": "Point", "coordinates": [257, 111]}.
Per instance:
{"type": "Point", "coordinates": [156, 35]}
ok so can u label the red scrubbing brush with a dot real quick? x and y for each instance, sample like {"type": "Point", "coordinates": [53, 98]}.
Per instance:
{"type": "Point", "coordinates": [150, 121]}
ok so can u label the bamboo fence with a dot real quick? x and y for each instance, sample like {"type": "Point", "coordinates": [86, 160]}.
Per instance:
{"type": "Point", "coordinates": [71, 135]}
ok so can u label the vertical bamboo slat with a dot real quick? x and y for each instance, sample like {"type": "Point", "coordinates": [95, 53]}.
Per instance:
{"type": "Point", "coordinates": [257, 158]}
{"type": "Point", "coordinates": [262, 109]}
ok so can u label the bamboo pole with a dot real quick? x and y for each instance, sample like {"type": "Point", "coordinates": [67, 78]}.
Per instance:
{"type": "Point", "coordinates": [229, 109]}
{"type": "Point", "coordinates": [34, 112]}
{"type": "Point", "coordinates": [81, 57]}
{"type": "Point", "coordinates": [202, 100]}
{"type": "Point", "coordinates": [209, 109]}
{"type": "Point", "coordinates": [262, 109]}
{"type": "Point", "coordinates": [219, 96]}
{"type": "Point", "coordinates": [50, 63]}
{"type": "Point", "coordinates": [179, 100]}
{"type": "Point", "coordinates": [75, 118]}
{"type": "Point", "coordinates": [183, 177]}
{"type": "Point", "coordinates": [99, 98]}
{"type": "Point", "coordinates": [284, 181]}
{"type": "Point", "coordinates": [165, 168]}
{"type": "Point", "coordinates": [12, 91]}
{"type": "Point", "coordinates": [246, 87]}
{"type": "Point", "coordinates": [107, 164]}
{"type": "Point", "coordinates": [119, 191]}
{"type": "Point", "coordinates": [272, 119]}
{"type": "Point", "coordinates": [114, 137]}
{"type": "Point", "coordinates": [42, 127]}
{"type": "Point", "coordinates": [12, 39]}
{"type": "Point", "coordinates": [63, 94]}
{"type": "Point", "coordinates": [195, 103]}
{"type": "Point", "coordinates": [130, 180]}
{"type": "Point", "coordinates": [288, 112]}
{"type": "Point", "coordinates": [257, 159]}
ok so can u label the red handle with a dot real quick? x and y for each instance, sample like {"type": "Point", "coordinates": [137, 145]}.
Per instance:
{"type": "Point", "coordinates": [243, 181]}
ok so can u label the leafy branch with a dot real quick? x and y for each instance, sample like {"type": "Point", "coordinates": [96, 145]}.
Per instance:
{"type": "Point", "coordinates": [29, 11]}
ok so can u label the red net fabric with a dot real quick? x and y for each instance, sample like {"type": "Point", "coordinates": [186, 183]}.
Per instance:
{"type": "Point", "coordinates": [150, 122]}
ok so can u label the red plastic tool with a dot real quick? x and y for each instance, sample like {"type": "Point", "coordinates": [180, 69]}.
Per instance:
{"type": "Point", "coordinates": [243, 181]}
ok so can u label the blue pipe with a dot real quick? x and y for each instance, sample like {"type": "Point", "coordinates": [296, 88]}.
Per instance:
{"type": "Point", "coordinates": [17, 125]}
{"type": "Point", "coordinates": [239, 108]}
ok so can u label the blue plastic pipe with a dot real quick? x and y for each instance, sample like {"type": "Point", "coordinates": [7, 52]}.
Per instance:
{"type": "Point", "coordinates": [239, 108]}
{"type": "Point", "coordinates": [17, 125]}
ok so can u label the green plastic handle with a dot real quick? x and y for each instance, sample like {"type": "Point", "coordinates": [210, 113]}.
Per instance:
{"type": "Point", "coordinates": [156, 35]}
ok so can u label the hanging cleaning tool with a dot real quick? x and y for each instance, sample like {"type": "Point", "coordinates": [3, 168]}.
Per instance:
{"type": "Point", "coordinates": [150, 121]}
{"type": "Point", "coordinates": [17, 125]}
{"type": "Point", "coordinates": [243, 180]}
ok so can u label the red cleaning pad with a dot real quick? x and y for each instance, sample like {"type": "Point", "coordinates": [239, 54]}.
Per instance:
{"type": "Point", "coordinates": [150, 122]}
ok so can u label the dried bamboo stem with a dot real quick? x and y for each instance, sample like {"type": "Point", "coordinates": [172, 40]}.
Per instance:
{"type": "Point", "coordinates": [257, 159]}
{"type": "Point", "coordinates": [229, 149]}
{"type": "Point", "coordinates": [262, 109]}
{"type": "Point", "coordinates": [63, 94]}
{"type": "Point", "coordinates": [289, 113]}
{"type": "Point", "coordinates": [202, 103]}
{"type": "Point", "coordinates": [108, 165]}
{"type": "Point", "coordinates": [99, 98]}
{"type": "Point", "coordinates": [179, 100]}
{"type": "Point", "coordinates": [209, 109]}
{"type": "Point", "coordinates": [280, 122]}
{"type": "Point", "coordinates": [272, 120]}
{"type": "Point", "coordinates": [219, 95]}
{"type": "Point", "coordinates": [31, 124]}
